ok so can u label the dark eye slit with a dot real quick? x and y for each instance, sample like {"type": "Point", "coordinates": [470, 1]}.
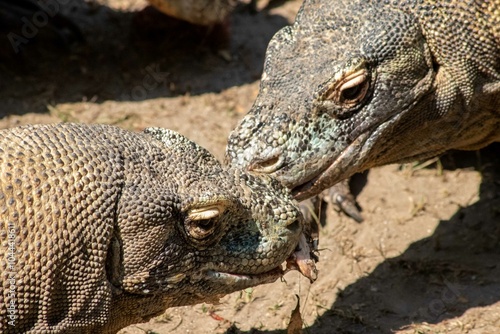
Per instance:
{"type": "Point", "coordinates": [353, 92]}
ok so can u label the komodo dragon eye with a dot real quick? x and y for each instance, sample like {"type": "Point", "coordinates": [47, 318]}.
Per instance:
{"type": "Point", "coordinates": [350, 89]}
{"type": "Point", "coordinates": [201, 222]}
{"type": "Point", "coordinates": [343, 95]}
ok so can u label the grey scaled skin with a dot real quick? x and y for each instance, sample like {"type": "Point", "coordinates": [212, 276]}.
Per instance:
{"type": "Point", "coordinates": [101, 228]}
{"type": "Point", "coordinates": [356, 84]}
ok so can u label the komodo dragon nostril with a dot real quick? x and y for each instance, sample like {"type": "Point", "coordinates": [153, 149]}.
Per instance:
{"type": "Point", "coordinates": [266, 165]}
{"type": "Point", "coordinates": [294, 225]}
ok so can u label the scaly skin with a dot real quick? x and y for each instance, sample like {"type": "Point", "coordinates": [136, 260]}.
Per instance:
{"type": "Point", "coordinates": [101, 228]}
{"type": "Point", "coordinates": [357, 84]}
{"type": "Point", "coordinates": [201, 12]}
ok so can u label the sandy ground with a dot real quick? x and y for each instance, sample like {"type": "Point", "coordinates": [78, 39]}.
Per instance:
{"type": "Point", "coordinates": [426, 258]}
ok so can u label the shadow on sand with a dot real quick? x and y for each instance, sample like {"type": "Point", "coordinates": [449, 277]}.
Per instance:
{"type": "Point", "coordinates": [122, 55]}
{"type": "Point", "coordinates": [436, 278]}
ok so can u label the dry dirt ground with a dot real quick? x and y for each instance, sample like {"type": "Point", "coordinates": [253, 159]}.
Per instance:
{"type": "Point", "coordinates": [426, 258]}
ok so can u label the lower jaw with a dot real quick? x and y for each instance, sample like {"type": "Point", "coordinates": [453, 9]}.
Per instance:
{"type": "Point", "coordinates": [248, 279]}
{"type": "Point", "coordinates": [342, 167]}
{"type": "Point", "coordinates": [301, 259]}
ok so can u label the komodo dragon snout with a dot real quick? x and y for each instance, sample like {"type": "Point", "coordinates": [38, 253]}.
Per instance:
{"type": "Point", "coordinates": [102, 227]}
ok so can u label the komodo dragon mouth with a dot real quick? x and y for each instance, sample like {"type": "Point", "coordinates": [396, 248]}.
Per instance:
{"type": "Point", "coordinates": [302, 259]}
{"type": "Point", "coordinates": [338, 170]}
{"type": "Point", "coordinates": [248, 279]}
{"type": "Point", "coordinates": [354, 158]}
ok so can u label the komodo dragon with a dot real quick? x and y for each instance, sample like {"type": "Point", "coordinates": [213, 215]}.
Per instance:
{"type": "Point", "coordinates": [357, 84]}
{"type": "Point", "coordinates": [201, 12]}
{"type": "Point", "coordinates": [102, 228]}
{"type": "Point", "coordinates": [24, 21]}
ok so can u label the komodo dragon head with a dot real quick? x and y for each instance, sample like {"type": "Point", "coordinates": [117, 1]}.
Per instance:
{"type": "Point", "coordinates": [229, 230]}
{"type": "Point", "coordinates": [357, 84]}
{"type": "Point", "coordinates": [101, 228]}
